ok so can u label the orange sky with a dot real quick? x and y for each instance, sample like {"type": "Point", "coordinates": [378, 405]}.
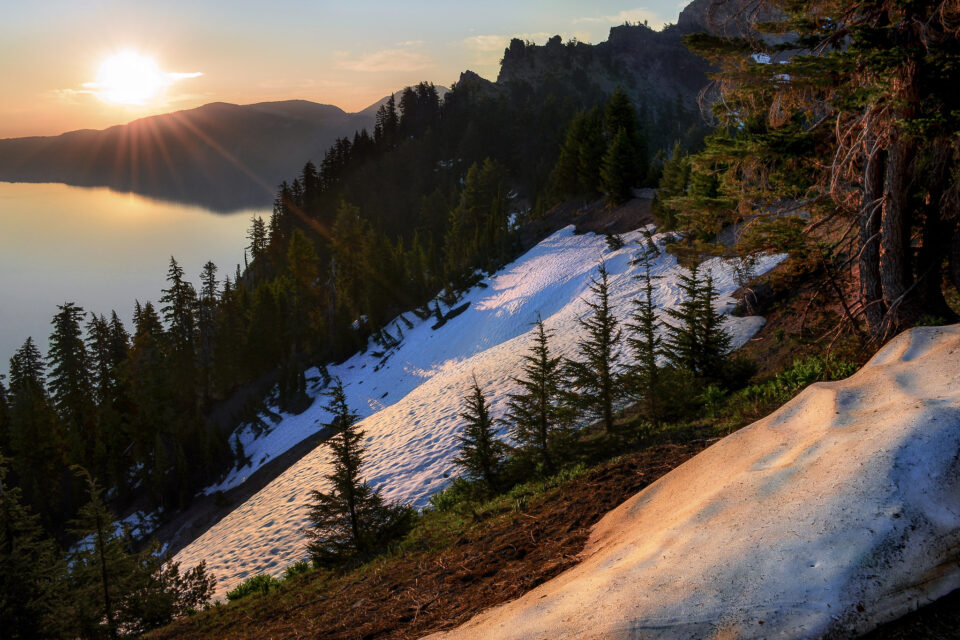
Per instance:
{"type": "Point", "coordinates": [349, 55]}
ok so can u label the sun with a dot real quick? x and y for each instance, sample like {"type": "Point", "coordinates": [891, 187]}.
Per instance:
{"type": "Point", "coordinates": [129, 78]}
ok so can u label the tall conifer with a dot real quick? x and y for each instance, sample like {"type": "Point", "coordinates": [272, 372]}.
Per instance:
{"type": "Point", "coordinates": [595, 384]}
{"type": "Point", "coordinates": [536, 413]}
{"type": "Point", "coordinates": [480, 453]}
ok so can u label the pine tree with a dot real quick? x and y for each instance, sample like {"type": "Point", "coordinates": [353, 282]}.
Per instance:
{"type": "Point", "coordinates": [673, 184]}
{"type": "Point", "coordinates": [179, 307]}
{"type": "Point", "coordinates": [618, 169]}
{"type": "Point", "coordinates": [884, 75]}
{"type": "Point", "coordinates": [206, 319]}
{"type": "Point", "coordinates": [646, 346]}
{"type": "Point", "coordinates": [620, 113]}
{"type": "Point", "coordinates": [480, 453]}
{"type": "Point", "coordinates": [111, 402]}
{"type": "Point", "coordinates": [696, 340]}
{"type": "Point", "coordinates": [4, 417]}
{"type": "Point", "coordinates": [595, 385]}
{"type": "Point", "coordinates": [29, 567]}
{"type": "Point", "coordinates": [179, 311]}
{"type": "Point", "coordinates": [350, 520]}
{"type": "Point", "coordinates": [115, 590]}
{"type": "Point", "coordinates": [70, 386]}
{"type": "Point", "coordinates": [257, 235]}
{"type": "Point", "coordinates": [536, 413]}
{"type": "Point", "coordinates": [37, 441]}
{"type": "Point", "coordinates": [100, 567]}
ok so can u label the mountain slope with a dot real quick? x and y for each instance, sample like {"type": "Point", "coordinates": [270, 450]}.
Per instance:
{"type": "Point", "coordinates": [836, 513]}
{"type": "Point", "coordinates": [410, 395]}
{"type": "Point", "coordinates": [222, 156]}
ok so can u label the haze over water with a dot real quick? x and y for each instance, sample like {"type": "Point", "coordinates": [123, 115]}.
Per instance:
{"type": "Point", "coordinates": [100, 249]}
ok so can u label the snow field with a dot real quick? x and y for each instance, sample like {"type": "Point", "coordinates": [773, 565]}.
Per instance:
{"type": "Point", "coordinates": [834, 514]}
{"type": "Point", "coordinates": [410, 397]}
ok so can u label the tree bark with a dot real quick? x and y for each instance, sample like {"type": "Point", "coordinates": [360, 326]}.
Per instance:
{"type": "Point", "coordinates": [871, 291]}
{"type": "Point", "coordinates": [930, 262]}
{"type": "Point", "coordinates": [954, 270]}
{"type": "Point", "coordinates": [896, 274]}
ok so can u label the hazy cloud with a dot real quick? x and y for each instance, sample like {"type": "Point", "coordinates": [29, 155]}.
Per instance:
{"type": "Point", "coordinates": [410, 43]}
{"type": "Point", "coordinates": [487, 43]}
{"type": "Point", "coordinates": [386, 60]}
{"type": "Point", "coordinates": [488, 49]}
{"type": "Point", "coordinates": [640, 14]}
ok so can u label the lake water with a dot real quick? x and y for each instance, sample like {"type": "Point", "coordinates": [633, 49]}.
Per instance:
{"type": "Point", "coordinates": [100, 249]}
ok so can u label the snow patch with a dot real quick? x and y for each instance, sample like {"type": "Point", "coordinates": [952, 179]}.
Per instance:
{"type": "Point", "coordinates": [410, 397]}
{"type": "Point", "coordinates": [834, 514]}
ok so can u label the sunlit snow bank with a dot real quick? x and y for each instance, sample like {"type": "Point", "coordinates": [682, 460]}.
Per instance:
{"type": "Point", "coordinates": [836, 513]}
{"type": "Point", "coordinates": [411, 395]}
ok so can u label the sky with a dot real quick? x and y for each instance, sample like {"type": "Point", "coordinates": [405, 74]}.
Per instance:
{"type": "Point", "coordinates": [72, 64]}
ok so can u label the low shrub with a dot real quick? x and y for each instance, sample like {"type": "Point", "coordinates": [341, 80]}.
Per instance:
{"type": "Point", "coordinates": [260, 584]}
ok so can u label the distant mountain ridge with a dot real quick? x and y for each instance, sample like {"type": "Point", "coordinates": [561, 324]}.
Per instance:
{"type": "Point", "coordinates": [222, 156]}
{"type": "Point", "coordinates": [227, 157]}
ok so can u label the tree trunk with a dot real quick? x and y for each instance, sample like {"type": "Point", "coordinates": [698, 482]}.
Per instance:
{"type": "Point", "coordinates": [871, 291]}
{"type": "Point", "coordinates": [953, 231]}
{"type": "Point", "coordinates": [896, 276]}
{"type": "Point", "coordinates": [930, 262]}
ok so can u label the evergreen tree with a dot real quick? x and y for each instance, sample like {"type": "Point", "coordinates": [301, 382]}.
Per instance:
{"type": "Point", "coordinates": [4, 417]}
{"type": "Point", "coordinates": [111, 401]}
{"type": "Point", "coordinates": [535, 414]}
{"type": "Point", "coordinates": [100, 567]}
{"type": "Point", "coordinates": [644, 376]}
{"type": "Point", "coordinates": [673, 184]}
{"type": "Point", "coordinates": [70, 386]}
{"type": "Point", "coordinates": [206, 319]}
{"type": "Point", "coordinates": [595, 385]}
{"type": "Point", "coordinates": [180, 313]}
{"type": "Point", "coordinates": [884, 75]}
{"type": "Point", "coordinates": [257, 235]}
{"type": "Point", "coordinates": [480, 452]}
{"type": "Point", "coordinates": [696, 340]}
{"type": "Point", "coordinates": [618, 169]}
{"type": "Point", "coordinates": [115, 590]}
{"type": "Point", "coordinates": [29, 567]}
{"type": "Point", "coordinates": [349, 520]}
{"type": "Point", "coordinates": [620, 113]}
{"type": "Point", "coordinates": [37, 441]}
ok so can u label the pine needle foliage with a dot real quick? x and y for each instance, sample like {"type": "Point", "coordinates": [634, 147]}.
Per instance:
{"type": "Point", "coordinates": [595, 385]}
{"type": "Point", "coordinates": [696, 340]}
{"type": "Point", "coordinates": [536, 413]}
{"type": "Point", "coordinates": [480, 453]}
{"type": "Point", "coordinates": [350, 520]}
{"type": "Point", "coordinates": [29, 566]}
{"type": "Point", "coordinates": [643, 377]}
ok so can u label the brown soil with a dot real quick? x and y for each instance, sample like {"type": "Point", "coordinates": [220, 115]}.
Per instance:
{"type": "Point", "coordinates": [589, 216]}
{"type": "Point", "coordinates": [414, 594]}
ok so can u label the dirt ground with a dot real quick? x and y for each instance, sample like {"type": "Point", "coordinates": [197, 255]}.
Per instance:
{"type": "Point", "coordinates": [410, 596]}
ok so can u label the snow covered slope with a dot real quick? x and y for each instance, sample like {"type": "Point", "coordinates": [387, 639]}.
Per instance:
{"type": "Point", "coordinates": [836, 513]}
{"type": "Point", "coordinates": [411, 395]}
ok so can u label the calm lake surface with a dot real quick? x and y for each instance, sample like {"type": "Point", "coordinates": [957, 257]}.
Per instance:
{"type": "Point", "coordinates": [100, 249]}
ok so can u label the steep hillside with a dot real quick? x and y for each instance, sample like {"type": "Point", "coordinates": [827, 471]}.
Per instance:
{"type": "Point", "coordinates": [222, 156]}
{"type": "Point", "coordinates": [836, 513]}
{"type": "Point", "coordinates": [411, 394]}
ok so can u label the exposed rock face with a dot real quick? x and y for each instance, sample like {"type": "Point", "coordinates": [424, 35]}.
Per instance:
{"type": "Point", "coordinates": [652, 66]}
{"type": "Point", "coordinates": [836, 513]}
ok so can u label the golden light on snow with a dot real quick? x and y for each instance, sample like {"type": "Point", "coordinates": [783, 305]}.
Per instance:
{"type": "Point", "coordinates": [131, 78]}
